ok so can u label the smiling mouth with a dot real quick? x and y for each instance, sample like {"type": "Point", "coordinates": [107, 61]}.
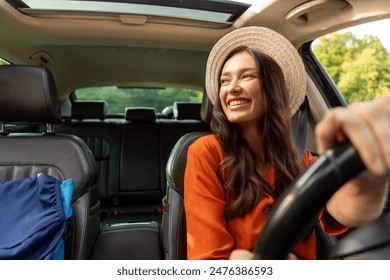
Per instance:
{"type": "Point", "coordinates": [238, 102]}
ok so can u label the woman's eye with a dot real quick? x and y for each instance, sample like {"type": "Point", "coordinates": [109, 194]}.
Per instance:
{"type": "Point", "coordinates": [224, 81]}
{"type": "Point", "coordinates": [246, 76]}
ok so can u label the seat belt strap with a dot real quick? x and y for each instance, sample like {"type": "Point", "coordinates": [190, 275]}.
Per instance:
{"type": "Point", "coordinates": [299, 127]}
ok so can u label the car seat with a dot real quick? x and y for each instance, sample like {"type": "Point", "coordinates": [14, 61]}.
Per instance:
{"type": "Point", "coordinates": [174, 221]}
{"type": "Point", "coordinates": [28, 96]}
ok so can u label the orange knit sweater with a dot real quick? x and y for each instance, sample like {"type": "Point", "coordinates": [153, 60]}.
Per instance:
{"type": "Point", "coordinates": [209, 234]}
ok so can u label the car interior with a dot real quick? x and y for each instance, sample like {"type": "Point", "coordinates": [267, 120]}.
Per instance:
{"type": "Point", "coordinates": [129, 166]}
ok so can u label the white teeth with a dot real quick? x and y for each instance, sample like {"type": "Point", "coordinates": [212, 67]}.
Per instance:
{"type": "Point", "coordinates": [238, 102]}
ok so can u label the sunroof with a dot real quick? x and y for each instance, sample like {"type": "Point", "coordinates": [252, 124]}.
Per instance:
{"type": "Point", "coordinates": [202, 10]}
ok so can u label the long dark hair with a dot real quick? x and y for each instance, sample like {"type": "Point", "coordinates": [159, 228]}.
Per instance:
{"type": "Point", "coordinates": [243, 180]}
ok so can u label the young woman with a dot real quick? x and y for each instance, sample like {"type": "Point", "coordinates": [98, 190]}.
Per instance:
{"type": "Point", "coordinates": [256, 82]}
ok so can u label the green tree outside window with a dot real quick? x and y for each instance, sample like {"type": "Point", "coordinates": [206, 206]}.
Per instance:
{"type": "Point", "coordinates": [359, 67]}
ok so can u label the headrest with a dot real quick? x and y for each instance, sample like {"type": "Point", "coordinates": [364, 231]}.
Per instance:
{"type": "Point", "coordinates": [140, 114]}
{"type": "Point", "coordinates": [28, 94]}
{"type": "Point", "coordinates": [206, 109]}
{"type": "Point", "coordinates": [89, 109]}
{"type": "Point", "coordinates": [186, 110]}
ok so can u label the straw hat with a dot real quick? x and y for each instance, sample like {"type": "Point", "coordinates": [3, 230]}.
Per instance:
{"type": "Point", "coordinates": [268, 42]}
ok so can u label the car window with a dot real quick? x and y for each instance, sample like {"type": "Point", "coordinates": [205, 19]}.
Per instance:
{"type": "Point", "coordinates": [358, 60]}
{"type": "Point", "coordinates": [3, 61]}
{"type": "Point", "coordinates": [118, 98]}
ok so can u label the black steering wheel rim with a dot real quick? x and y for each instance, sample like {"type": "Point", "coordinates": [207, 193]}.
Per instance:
{"type": "Point", "coordinates": [296, 211]}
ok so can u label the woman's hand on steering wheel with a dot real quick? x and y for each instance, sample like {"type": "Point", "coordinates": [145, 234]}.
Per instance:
{"type": "Point", "coordinates": [367, 127]}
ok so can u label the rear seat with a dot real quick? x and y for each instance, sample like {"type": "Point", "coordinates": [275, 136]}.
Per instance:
{"type": "Point", "coordinates": [139, 187]}
{"type": "Point", "coordinates": [131, 154]}
{"type": "Point", "coordinates": [103, 139]}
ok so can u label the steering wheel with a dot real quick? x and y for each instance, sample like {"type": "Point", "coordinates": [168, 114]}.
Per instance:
{"type": "Point", "coordinates": [295, 212]}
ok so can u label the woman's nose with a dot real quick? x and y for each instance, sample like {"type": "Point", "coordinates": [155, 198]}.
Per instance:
{"type": "Point", "coordinates": [234, 87]}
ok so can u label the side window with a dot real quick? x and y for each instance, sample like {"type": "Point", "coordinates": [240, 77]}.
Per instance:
{"type": "Point", "coordinates": [358, 60]}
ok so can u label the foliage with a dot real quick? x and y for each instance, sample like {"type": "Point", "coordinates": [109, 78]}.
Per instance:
{"type": "Point", "coordinates": [359, 67]}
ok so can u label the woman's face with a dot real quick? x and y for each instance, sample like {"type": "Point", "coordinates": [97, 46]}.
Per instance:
{"type": "Point", "coordinates": [241, 93]}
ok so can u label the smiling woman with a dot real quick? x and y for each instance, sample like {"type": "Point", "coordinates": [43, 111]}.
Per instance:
{"type": "Point", "coordinates": [253, 103]}
{"type": "Point", "coordinates": [244, 110]}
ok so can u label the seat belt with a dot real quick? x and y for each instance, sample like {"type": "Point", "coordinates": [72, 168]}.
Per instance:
{"type": "Point", "coordinates": [299, 127]}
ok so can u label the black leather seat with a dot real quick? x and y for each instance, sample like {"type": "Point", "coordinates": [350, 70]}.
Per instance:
{"type": "Point", "coordinates": [28, 95]}
{"type": "Point", "coordinates": [174, 221]}
{"type": "Point", "coordinates": [103, 138]}
{"type": "Point", "coordinates": [174, 230]}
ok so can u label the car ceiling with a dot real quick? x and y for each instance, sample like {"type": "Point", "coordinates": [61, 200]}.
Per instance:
{"type": "Point", "coordinates": [90, 50]}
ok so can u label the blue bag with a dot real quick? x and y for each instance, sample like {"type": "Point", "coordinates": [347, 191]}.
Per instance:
{"type": "Point", "coordinates": [33, 219]}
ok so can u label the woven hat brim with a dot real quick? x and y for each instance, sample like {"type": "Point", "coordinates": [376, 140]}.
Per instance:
{"type": "Point", "coordinates": [269, 42]}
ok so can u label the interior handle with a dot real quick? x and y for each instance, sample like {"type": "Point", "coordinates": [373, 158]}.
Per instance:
{"type": "Point", "coordinates": [299, 15]}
